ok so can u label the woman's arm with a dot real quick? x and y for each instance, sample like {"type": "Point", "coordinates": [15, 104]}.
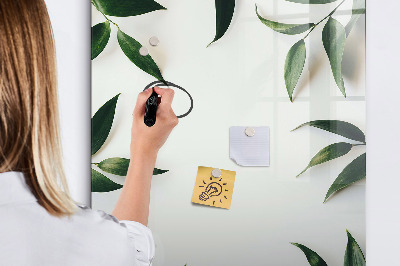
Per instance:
{"type": "Point", "coordinates": [133, 203]}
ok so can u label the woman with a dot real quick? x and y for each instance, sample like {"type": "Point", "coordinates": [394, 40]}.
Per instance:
{"type": "Point", "coordinates": [39, 222]}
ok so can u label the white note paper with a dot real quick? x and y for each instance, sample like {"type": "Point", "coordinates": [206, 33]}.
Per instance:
{"type": "Point", "coordinates": [249, 151]}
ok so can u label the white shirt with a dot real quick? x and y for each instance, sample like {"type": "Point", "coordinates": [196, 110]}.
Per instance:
{"type": "Point", "coordinates": [29, 235]}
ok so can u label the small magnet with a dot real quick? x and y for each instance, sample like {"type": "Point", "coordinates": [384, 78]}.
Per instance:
{"type": "Point", "coordinates": [216, 173]}
{"type": "Point", "coordinates": [249, 131]}
{"type": "Point", "coordinates": [154, 41]}
{"type": "Point", "coordinates": [143, 51]}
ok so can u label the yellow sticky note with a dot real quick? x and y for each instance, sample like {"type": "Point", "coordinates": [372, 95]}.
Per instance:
{"type": "Point", "coordinates": [211, 191]}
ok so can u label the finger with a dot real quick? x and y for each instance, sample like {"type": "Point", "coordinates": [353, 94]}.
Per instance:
{"type": "Point", "coordinates": [141, 102]}
{"type": "Point", "coordinates": [167, 116]}
{"type": "Point", "coordinates": [167, 95]}
{"type": "Point", "coordinates": [166, 112]}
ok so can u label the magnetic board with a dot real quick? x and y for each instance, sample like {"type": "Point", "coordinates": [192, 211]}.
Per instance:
{"type": "Point", "coordinates": [239, 80]}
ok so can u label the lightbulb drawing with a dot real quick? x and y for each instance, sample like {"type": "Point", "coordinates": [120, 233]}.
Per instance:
{"type": "Point", "coordinates": [213, 189]}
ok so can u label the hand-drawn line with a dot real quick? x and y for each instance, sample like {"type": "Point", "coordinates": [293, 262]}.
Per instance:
{"type": "Point", "coordinates": [212, 190]}
{"type": "Point", "coordinates": [163, 83]}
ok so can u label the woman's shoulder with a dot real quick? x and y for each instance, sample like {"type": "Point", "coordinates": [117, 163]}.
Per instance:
{"type": "Point", "coordinates": [99, 227]}
{"type": "Point", "coordinates": [98, 220]}
{"type": "Point", "coordinates": [85, 212]}
{"type": "Point", "coordinates": [139, 236]}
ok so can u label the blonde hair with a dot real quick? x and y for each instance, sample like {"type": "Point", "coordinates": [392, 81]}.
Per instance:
{"type": "Point", "coordinates": [29, 119]}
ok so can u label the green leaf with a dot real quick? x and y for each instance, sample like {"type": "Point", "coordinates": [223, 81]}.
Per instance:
{"type": "Point", "coordinates": [333, 38]}
{"type": "Point", "coordinates": [338, 127]}
{"type": "Point", "coordinates": [294, 65]}
{"type": "Point", "coordinates": [157, 171]}
{"type": "Point", "coordinates": [224, 12]}
{"type": "Point", "coordinates": [100, 36]}
{"type": "Point", "coordinates": [116, 166]}
{"type": "Point", "coordinates": [313, 258]}
{"type": "Point", "coordinates": [312, 1]}
{"type": "Point", "coordinates": [357, 10]}
{"type": "Point", "coordinates": [101, 183]}
{"type": "Point", "coordinates": [353, 256]}
{"type": "Point", "coordinates": [290, 29]}
{"type": "Point", "coordinates": [131, 47]}
{"type": "Point", "coordinates": [126, 8]}
{"type": "Point", "coordinates": [328, 153]}
{"type": "Point", "coordinates": [102, 122]}
{"type": "Point", "coordinates": [353, 172]}
{"type": "Point", "coordinates": [119, 166]}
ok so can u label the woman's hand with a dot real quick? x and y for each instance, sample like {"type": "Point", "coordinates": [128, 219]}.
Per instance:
{"type": "Point", "coordinates": [133, 202]}
{"type": "Point", "coordinates": [146, 141]}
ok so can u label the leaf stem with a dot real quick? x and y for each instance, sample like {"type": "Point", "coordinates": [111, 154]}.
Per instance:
{"type": "Point", "coordinates": [109, 20]}
{"type": "Point", "coordinates": [330, 14]}
{"type": "Point", "coordinates": [362, 144]}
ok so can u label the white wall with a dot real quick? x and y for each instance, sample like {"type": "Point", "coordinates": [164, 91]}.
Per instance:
{"type": "Point", "coordinates": [383, 128]}
{"type": "Point", "coordinates": [71, 25]}
{"type": "Point", "coordinates": [72, 31]}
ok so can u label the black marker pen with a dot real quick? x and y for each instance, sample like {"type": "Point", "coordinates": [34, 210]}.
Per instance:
{"type": "Point", "coordinates": [151, 109]}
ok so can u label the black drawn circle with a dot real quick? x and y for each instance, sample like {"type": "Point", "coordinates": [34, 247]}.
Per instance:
{"type": "Point", "coordinates": [161, 83]}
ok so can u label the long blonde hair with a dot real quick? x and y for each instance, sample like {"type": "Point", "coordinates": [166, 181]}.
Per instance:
{"type": "Point", "coordinates": [29, 119]}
